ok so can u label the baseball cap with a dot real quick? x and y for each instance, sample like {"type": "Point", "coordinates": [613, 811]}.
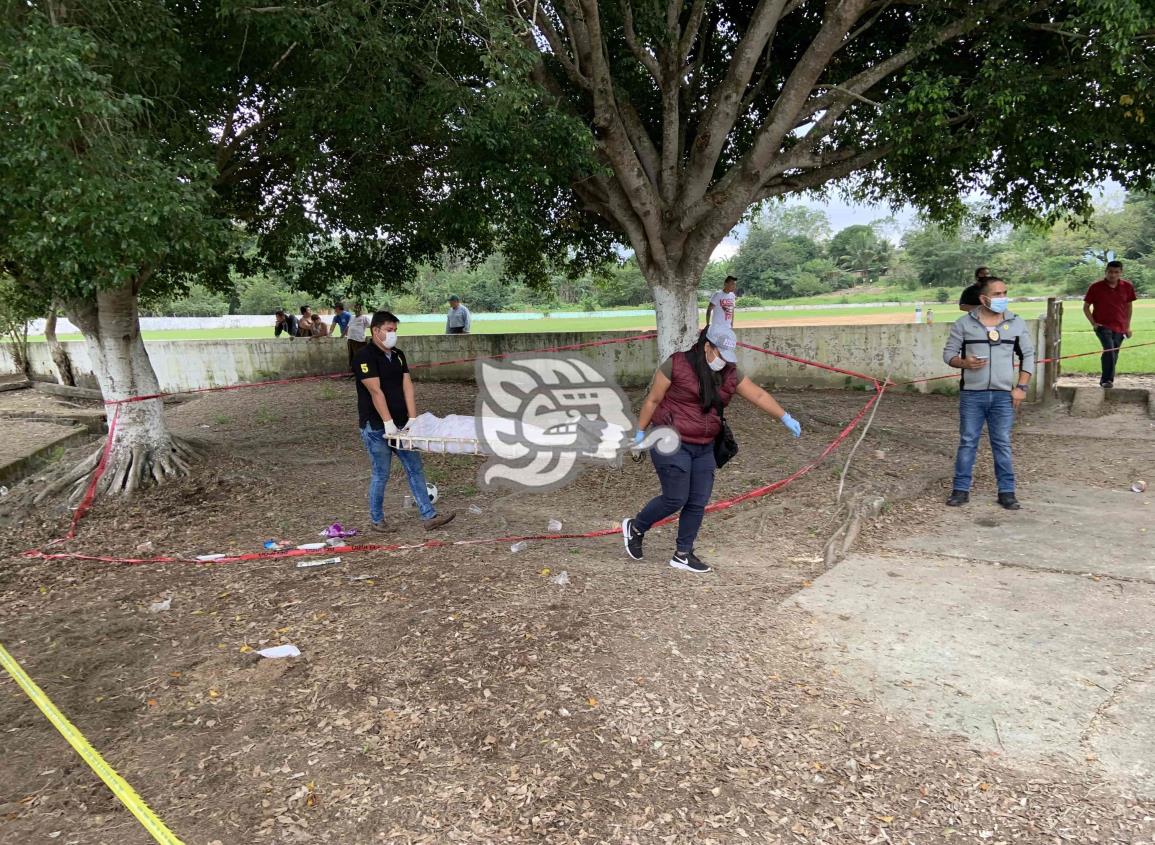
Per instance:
{"type": "Point", "coordinates": [725, 341]}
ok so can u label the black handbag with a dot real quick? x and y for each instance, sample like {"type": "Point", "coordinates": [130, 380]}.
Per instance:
{"type": "Point", "coordinates": [725, 446]}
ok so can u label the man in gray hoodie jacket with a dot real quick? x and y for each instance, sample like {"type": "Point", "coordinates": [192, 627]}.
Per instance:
{"type": "Point", "coordinates": [984, 344]}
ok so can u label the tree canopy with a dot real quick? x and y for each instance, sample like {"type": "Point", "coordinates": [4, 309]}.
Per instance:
{"type": "Point", "coordinates": [697, 111]}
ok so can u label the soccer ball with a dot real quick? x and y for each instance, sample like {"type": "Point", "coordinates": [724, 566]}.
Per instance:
{"type": "Point", "coordinates": [432, 488]}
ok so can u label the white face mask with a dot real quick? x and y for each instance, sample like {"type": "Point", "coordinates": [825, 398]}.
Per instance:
{"type": "Point", "coordinates": [390, 340]}
{"type": "Point", "coordinates": [718, 364]}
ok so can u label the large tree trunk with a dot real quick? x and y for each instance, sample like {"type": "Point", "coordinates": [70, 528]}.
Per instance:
{"type": "Point", "coordinates": [143, 450]}
{"type": "Point", "coordinates": [676, 307]}
{"type": "Point", "coordinates": [59, 356]}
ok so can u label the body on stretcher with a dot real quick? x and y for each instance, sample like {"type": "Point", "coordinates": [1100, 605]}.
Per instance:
{"type": "Point", "coordinates": [459, 434]}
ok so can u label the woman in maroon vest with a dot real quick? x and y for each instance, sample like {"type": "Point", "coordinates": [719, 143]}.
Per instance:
{"type": "Point", "coordinates": [684, 395]}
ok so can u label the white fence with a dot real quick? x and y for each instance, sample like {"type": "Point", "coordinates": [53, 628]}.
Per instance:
{"type": "Point", "coordinates": [239, 321]}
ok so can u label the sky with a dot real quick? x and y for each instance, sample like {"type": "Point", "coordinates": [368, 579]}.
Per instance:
{"type": "Point", "coordinates": [842, 214]}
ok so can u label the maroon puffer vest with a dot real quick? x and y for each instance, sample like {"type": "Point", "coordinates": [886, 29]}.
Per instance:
{"type": "Point", "coordinates": [681, 409]}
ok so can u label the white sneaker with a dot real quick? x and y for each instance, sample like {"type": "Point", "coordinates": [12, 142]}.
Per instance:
{"type": "Point", "coordinates": [689, 562]}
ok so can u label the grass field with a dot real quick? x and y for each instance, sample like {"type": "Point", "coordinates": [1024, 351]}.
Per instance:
{"type": "Point", "coordinates": [1077, 334]}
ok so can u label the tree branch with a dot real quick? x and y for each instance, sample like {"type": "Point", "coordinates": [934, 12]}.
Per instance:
{"type": "Point", "coordinates": [722, 110]}
{"type": "Point", "coordinates": [693, 25]}
{"type": "Point", "coordinates": [613, 139]}
{"type": "Point", "coordinates": [755, 168]}
{"type": "Point", "coordinates": [540, 20]}
{"type": "Point", "coordinates": [820, 175]}
{"type": "Point", "coordinates": [640, 138]}
{"type": "Point", "coordinates": [783, 116]}
{"type": "Point", "coordinates": [870, 77]}
{"type": "Point", "coordinates": [648, 60]}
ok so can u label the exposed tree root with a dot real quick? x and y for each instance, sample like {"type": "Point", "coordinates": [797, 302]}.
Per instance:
{"type": "Point", "coordinates": [134, 468]}
{"type": "Point", "coordinates": [75, 474]}
{"type": "Point", "coordinates": [129, 469]}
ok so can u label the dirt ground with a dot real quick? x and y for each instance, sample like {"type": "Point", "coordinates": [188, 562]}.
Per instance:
{"type": "Point", "coordinates": [458, 695]}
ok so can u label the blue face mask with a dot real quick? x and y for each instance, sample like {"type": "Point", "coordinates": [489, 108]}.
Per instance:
{"type": "Point", "coordinates": [999, 304]}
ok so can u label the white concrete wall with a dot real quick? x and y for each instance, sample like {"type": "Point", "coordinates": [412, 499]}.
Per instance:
{"type": "Point", "coordinates": [158, 324]}
{"type": "Point", "coordinates": [901, 351]}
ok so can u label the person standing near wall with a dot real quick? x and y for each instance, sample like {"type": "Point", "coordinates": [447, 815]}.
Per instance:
{"type": "Point", "coordinates": [358, 326]}
{"type": "Point", "coordinates": [1107, 307]}
{"type": "Point", "coordinates": [458, 319]}
{"type": "Point", "coordinates": [720, 310]}
{"type": "Point", "coordinates": [969, 300]}
{"type": "Point", "coordinates": [305, 322]}
{"type": "Point", "coordinates": [286, 323]}
{"type": "Point", "coordinates": [385, 405]}
{"type": "Point", "coordinates": [984, 345]}
{"type": "Point", "coordinates": [341, 319]}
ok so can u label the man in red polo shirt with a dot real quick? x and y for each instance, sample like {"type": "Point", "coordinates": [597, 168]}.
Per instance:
{"type": "Point", "coordinates": [1108, 307]}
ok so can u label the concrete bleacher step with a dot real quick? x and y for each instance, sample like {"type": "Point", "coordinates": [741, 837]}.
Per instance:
{"type": "Point", "coordinates": [1095, 401]}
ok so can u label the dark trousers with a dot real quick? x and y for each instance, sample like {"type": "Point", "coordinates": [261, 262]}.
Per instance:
{"type": "Point", "coordinates": [687, 478]}
{"type": "Point", "coordinates": [355, 346]}
{"type": "Point", "coordinates": [1111, 340]}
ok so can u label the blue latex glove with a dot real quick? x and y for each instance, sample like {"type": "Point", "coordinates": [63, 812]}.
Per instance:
{"type": "Point", "coordinates": [792, 424]}
{"type": "Point", "coordinates": [639, 436]}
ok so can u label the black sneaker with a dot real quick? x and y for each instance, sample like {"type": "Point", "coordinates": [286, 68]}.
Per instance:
{"type": "Point", "coordinates": [1107, 385]}
{"type": "Point", "coordinates": [1008, 501]}
{"type": "Point", "coordinates": [958, 498]}
{"type": "Point", "coordinates": [689, 562]}
{"type": "Point", "coordinates": [633, 539]}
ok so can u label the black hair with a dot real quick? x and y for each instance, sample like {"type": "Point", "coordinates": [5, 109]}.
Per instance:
{"type": "Point", "coordinates": [730, 278]}
{"type": "Point", "coordinates": [983, 284]}
{"type": "Point", "coordinates": [709, 381]}
{"type": "Point", "coordinates": [380, 318]}
{"type": "Point", "coordinates": [1112, 265]}
{"type": "Point", "coordinates": [979, 270]}
{"type": "Point", "coordinates": [340, 305]}
{"type": "Point", "coordinates": [305, 308]}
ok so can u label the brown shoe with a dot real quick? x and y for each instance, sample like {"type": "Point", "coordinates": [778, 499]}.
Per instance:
{"type": "Point", "coordinates": [435, 522]}
{"type": "Point", "coordinates": [382, 527]}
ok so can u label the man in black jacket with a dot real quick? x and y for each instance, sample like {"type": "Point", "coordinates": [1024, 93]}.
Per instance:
{"type": "Point", "coordinates": [286, 323]}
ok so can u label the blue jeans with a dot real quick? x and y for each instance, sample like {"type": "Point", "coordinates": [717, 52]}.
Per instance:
{"type": "Point", "coordinates": [1110, 340]}
{"type": "Point", "coordinates": [687, 478]}
{"type": "Point", "coordinates": [995, 409]}
{"type": "Point", "coordinates": [381, 456]}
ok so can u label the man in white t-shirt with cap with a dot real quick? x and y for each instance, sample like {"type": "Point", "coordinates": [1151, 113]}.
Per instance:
{"type": "Point", "coordinates": [720, 311]}
{"type": "Point", "coordinates": [357, 334]}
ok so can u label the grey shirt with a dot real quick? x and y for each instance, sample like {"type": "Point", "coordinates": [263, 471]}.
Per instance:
{"type": "Point", "coordinates": [458, 318]}
{"type": "Point", "coordinates": [1002, 344]}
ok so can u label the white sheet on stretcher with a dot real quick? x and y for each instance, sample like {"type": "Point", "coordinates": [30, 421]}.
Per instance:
{"type": "Point", "coordinates": [504, 438]}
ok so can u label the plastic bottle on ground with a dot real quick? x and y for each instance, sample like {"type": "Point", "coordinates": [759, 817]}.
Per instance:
{"type": "Point", "coordinates": [519, 546]}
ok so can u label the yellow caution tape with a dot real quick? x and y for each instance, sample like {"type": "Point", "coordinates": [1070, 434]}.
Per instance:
{"type": "Point", "coordinates": [91, 756]}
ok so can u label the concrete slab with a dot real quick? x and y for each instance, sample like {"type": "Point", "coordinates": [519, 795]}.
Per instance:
{"type": "Point", "coordinates": [1087, 402]}
{"type": "Point", "coordinates": [26, 444]}
{"type": "Point", "coordinates": [1109, 532]}
{"type": "Point", "coordinates": [1036, 664]}
{"type": "Point", "coordinates": [1124, 735]}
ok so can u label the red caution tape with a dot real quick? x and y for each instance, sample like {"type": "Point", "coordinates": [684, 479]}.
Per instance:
{"type": "Point", "coordinates": [756, 493]}
{"type": "Point", "coordinates": [97, 474]}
